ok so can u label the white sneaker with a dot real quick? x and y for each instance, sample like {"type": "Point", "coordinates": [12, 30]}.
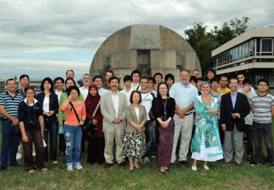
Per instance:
{"type": "Point", "coordinates": [78, 167]}
{"type": "Point", "coordinates": [146, 159]}
{"type": "Point", "coordinates": [194, 168]}
{"type": "Point", "coordinates": [206, 167]}
{"type": "Point", "coordinates": [55, 161]}
{"type": "Point", "coordinates": [70, 168]}
{"type": "Point", "coordinates": [18, 156]}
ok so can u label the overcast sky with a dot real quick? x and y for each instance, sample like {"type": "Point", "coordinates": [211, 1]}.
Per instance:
{"type": "Point", "coordinates": [47, 37]}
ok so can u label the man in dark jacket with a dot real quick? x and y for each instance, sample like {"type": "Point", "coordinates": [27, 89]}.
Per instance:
{"type": "Point", "coordinates": [234, 108]}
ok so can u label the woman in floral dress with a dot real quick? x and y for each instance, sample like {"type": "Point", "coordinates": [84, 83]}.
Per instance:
{"type": "Point", "coordinates": [206, 145]}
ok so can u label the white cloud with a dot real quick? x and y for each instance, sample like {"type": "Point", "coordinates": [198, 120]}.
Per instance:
{"type": "Point", "coordinates": [82, 25]}
{"type": "Point", "coordinates": [42, 69]}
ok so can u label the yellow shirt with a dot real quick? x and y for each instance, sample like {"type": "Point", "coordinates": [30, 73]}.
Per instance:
{"type": "Point", "coordinates": [227, 90]}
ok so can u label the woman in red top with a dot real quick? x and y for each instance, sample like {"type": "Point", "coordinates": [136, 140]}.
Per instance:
{"type": "Point", "coordinates": [96, 137]}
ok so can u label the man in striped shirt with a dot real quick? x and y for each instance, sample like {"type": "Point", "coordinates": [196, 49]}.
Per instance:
{"type": "Point", "coordinates": [11, 135]}
{"type": "Point", "coordinates": [262, 105]}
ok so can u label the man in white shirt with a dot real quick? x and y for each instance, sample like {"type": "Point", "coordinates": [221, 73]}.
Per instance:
{"type": "Point", "coordinates": [59, 83]}
{"type": "Point", "coordinates": [147, 99]}
{"type": "Point", "coordinates": [98, 81]}
{"type": "Point", "coordinates": [84, 89]}
{"type": "Point", "coordinates": [135, 75]}
{"type": "Point", "coordinates": [158, 79]}
{"type": "Point", "coordinates": [127, 90]}
{"type": "Point", "coordinates": [241, 78]}
{"type": "Point", "coordinates": [249, 120]}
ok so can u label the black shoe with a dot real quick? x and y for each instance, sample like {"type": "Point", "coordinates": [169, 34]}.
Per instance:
{"type": "Point", "coordinates": [122, 164]}
{"type": "Point", "coordinates": [184, 163]}
{"type": "Point", "coordinates": [272, 165]}
{"type": "Point", "coordinates": [3, 168]}
{"type": "Point", "coordinates": [16, 164]}
{"type": "Point", "coordinates": [249, 158]}
{"type": "Point", "coordinates": [108, 165]}
{"type": "Point", "coordinates": [254, 163]}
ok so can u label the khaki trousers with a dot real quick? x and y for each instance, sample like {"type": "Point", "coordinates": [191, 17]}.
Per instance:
{"type": "Point", "coordinates": [183, 126]}
{"type": "Point", "coordinates": [118, 135]}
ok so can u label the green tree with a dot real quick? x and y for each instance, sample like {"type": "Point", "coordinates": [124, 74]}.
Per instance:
{"type": "Point", "coordinates": [239, 26]}
{"type": "Point", "coordinates": [204, 42]}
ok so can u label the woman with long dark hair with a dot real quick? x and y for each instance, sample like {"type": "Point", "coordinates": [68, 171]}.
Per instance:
{"type": "Point", "coordinates": [163, 108]}
{"type": "Point", "coordinates": [96, 142]}
{"type": "Point", "coordinates": [49, 101]}
{"type": "Point", "coordinates": [30, 116]}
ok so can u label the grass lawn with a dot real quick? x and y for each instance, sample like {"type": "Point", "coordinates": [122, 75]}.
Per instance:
{"type": "Point", "coordinates": [219, 176]}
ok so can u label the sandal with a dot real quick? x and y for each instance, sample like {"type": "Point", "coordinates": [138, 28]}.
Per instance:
{"type": "Point", "coordinates": [31, 171]}
{"type": "Point", "coordinates": [44, 169]}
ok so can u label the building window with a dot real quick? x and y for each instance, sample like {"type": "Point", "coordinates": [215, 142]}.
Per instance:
{"type": "Point", "coordinates": [266, 45]}
{"type": "Point", "coordinates": [251, 47]}
{"type": "Point", "coordinates": [271, 79]}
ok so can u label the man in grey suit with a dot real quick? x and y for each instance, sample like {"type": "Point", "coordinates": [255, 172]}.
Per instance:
{"type": "Point", "coordinates": [113, 106]}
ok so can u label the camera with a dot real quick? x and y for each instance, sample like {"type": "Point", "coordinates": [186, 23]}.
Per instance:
{"type": "Point", "coordinates": [32, 123]}
{"type": "Point", "coordinates": [95, 131]}
{"type": "Point", "coordinates": [163, 118]}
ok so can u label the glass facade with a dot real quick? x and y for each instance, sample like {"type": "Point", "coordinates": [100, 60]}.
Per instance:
{"type": "Point", "coordinates": [252, 47]}
{"type": "Point", "coordinates": [266, 45]}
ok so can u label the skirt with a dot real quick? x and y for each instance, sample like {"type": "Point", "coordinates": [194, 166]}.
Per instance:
{"type": "Point", "coordinates": [211, 154]}
{"type": "Point", "coordinates": [165, 145]}
{"type": "Point", "coordinates": [134, 144]}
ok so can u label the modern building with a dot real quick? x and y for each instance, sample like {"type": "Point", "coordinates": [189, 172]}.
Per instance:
{"type": "Point", "coordinates": [251, 53]}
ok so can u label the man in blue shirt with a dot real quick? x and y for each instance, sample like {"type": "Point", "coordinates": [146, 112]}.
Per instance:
{"type": "Point", "coordinates": [9, 102]}
{"type": "Point", "coordinates": [184, 95]}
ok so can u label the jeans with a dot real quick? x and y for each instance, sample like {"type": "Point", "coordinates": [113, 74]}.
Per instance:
{"type": "Point", "coordinates": [53, 142]}
{"type": "Point", "coordinates": [154, 146]}
{"type": "Point", "coordinates": [263, 130]}
{"type": "Point", "coordinates": [149, 136]}
{"type": "Point", "coordinates": [10, 143]}
{"type": "Point", "coordinates": [249, 145]}
{"type": "Point", "coordinates": [62, 142]}
{"type": "Point", "coordinates": [73, 137]}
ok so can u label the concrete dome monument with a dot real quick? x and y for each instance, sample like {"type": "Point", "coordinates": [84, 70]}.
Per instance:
{"type": "Point", "coordinates": [148, 48]}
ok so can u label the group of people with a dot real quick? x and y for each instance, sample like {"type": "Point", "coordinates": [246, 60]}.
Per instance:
{"type": "Point", "coordinates": [149, 117]}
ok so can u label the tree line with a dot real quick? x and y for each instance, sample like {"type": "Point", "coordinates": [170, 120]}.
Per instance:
{"type": "Point", "coordinates": [203, 42]}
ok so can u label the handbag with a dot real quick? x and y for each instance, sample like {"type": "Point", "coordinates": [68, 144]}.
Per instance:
{"type": "Point", "coordinates": [92, 129]}
{"type": "Point", "coordinates": [47, 124]}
